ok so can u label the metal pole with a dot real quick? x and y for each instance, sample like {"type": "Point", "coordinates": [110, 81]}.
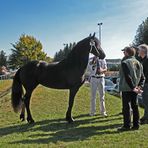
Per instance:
{"type": "Point", "coordinates": [100, 24]}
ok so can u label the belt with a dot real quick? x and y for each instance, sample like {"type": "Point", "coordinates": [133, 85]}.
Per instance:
{"type": "Point", "coordinates": [97, 77]}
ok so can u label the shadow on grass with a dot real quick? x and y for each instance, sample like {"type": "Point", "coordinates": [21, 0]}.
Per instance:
{"type": "Point", "coordinates": [59, 130]}
{"type": "Point", "coordinates": [68, 135]}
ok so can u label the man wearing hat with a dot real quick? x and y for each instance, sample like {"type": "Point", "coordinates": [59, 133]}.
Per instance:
{"type": "Point", "coordinates": [143, 53]}
{"type": "Point", "coordinates": [131, 80]}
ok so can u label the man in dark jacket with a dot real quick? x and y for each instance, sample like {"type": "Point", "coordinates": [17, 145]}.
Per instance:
{"type": "Point", "coordinates": [131, 80]}
{"type": "Point", "coordinates": [143, 53]}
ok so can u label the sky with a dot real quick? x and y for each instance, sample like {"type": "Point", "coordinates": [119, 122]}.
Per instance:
{"type": "Point", "coordinates": [58, 22]}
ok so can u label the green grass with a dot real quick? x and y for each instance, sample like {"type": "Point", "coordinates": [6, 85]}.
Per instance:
{"type": "Point", "coordinates": [50, 130]}
{"type": "Point", "coordinates": [4, 84]}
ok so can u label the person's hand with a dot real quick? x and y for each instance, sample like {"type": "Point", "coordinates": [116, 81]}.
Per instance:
{"type": "Point", "coordinates": [137, 90]}
{"type": "Point", "coordinates": [140, 90]}
{"type": "Point", "coordinates": [100, 70]}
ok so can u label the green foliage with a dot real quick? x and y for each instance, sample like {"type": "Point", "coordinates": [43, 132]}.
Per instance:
{"type": "Point", "coordinates": [26, 49]}
{"type": "Point", "coordinates": [62, 54]}
{"type": "Point", "coordinates": [48, 108]}
{"type": "Point", "coordinates": [3, 58]}
{"type": "Point", "coordinates": [142, 33]}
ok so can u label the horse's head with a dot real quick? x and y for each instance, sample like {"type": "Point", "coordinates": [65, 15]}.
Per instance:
{"type": "Point", "coordinates": [95, 47]}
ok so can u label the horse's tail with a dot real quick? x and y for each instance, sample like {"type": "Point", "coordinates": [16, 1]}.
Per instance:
{"type": "Point", "coordinates": [17, 92]}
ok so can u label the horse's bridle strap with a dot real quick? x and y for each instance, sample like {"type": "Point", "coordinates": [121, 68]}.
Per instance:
{"type": "Point", "coordinates": [92, 44]}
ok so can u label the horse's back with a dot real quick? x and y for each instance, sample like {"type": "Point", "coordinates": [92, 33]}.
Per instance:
{"type": "Point", "coordinates": [53, 75]}
{"type": "Point", "coordinates": [39, 72]}
{"type": "Point", "coordinates": [30, 72]}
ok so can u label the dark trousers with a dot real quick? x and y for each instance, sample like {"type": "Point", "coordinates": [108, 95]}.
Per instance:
{"type": "Point", "coordinates": [130, 99]}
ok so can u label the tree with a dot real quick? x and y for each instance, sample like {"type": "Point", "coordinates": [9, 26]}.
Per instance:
{"type": "Point", "coordinates": [26, 49]}
{"type": "Point", "coordinates": [3, 58]}
{"type": "Point", "coordinates": [142, 33]}
{"type": "Point", "coordinates": [63, 53]}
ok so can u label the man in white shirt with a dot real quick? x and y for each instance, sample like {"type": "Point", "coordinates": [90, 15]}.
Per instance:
{"type": "Point", "coordinates": [97, 68]}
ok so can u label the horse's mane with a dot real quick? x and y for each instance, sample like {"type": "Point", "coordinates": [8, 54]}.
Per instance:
{"type": "Point", "coordinates": [76, 51]}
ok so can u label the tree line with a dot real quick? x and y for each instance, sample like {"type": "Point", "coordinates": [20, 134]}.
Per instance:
{"type": "Point", "coordinates": [60, 55]}
{"type": "Point", "coordinates": [28, 48]}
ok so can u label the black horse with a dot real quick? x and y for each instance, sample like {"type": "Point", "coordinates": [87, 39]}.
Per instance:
{"type": "Point", "coordinates": [67, 74]}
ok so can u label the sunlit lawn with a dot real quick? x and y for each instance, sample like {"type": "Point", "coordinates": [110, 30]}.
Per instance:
{"type": "Point", "coordinates": [51, 130]}
{"type": "Point", "coordinates": [5, 84]}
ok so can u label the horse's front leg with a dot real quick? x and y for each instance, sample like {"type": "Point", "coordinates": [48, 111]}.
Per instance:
{"type": "Point", "coordinates": [71, 101]}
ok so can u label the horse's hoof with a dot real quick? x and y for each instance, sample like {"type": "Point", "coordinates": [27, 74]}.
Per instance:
{"type": "Point", "coordinates": [22, 117]}
{"type": "Point", "coordinates": [69, 120]}
{"type": "Point", "coordinates": [30, 121]}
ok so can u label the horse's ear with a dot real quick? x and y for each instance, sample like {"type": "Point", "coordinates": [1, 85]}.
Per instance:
{"type": "Point", "coordinates": [93, 35]}
{"type": "Point", "coordinates": [90, 35]}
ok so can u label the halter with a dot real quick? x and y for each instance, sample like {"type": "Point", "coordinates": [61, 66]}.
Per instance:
{"type": "Point", "coordinates": [92, 44]}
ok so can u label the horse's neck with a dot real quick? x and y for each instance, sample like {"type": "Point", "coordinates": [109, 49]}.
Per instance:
{"type": "Point", "coordinates": [83, 61]}
{"type": "Point", "coordinates": [77, 58]}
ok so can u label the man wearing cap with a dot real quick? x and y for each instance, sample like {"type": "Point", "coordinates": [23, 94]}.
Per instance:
{"type": "Point", "coordinates": [131, 79]}
{"type": "Point", "coordinates": [143, 53]}
{"type": "Point", "coordinates": [97, 68]}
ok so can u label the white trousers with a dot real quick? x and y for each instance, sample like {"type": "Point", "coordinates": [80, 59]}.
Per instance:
{"type": "Point", "coordinates": [97, 84]}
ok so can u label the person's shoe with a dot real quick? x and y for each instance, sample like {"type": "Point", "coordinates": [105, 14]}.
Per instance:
{"type": "Point", "coordinates": [92, 114]}
{"type": "Point", "coordinates": [104, 114]}
{"type": "Point", "coordinates": [135, 128]}
{"type": "Point", "coordinates": [123, 128]}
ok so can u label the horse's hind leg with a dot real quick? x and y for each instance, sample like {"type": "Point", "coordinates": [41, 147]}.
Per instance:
{"type": "Point", "coordinates": [27, 97]}
{"type": "Point", "coordinates": [22, 115]}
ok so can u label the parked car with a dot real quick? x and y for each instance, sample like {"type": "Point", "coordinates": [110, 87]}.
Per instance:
{"type": "Point", "coordinates": [109, 85]}
{"type": "Point", "coordinates": [115, 91]}
{"type": "Point", "coordinates": [114, 79]}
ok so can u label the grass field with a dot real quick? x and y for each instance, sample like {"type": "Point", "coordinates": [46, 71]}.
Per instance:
{"type": "Point", "coordinates": [50, 130]}
{"type": "Point", "coordinates": [4, 85]}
